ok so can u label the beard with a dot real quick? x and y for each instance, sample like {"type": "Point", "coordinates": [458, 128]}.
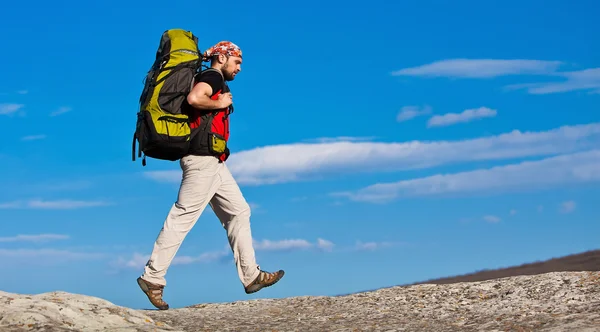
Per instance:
{"type": "Point", "coordinates": [227, 74]}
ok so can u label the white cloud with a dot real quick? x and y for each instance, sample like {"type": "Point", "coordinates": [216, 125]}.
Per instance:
{"type": "Point", "coordinates": [411, 112]}
{"type": "Point", "coordinates": [296, 162]}
{"type": "Point", "coordinates": [480, 68]}
{"type": "Point", "coordinates": [34, 238]}
{"type": "Point", "coordinates": [513, 212]}
{"type": "Point", "coordinates": [565, 169]}
{"type": "Point", "coordinates": [60, 185]}
{"type": "Point", "coordinates": [33, 137]}
{"type": "Point", "coordinates": [492, 219]}
{"type": "Point", "coordinates": [292, 244]}
{"type": "Point", "coordinates": [164, 176]}
{"type": "Point", "coordinates": [10, 205]}
{"type": "Point", "coordinates": [468, 115]}
{"type": "Point", "coordinates": [567, 206]}
{"type": "Point", "coordinates": [137, 260]}
{"type": "Point", "coordinates": [65, 204]}
{"type": "Point", "coordinates": [299, 199]}
{"type": "Point", "coordinates": [54, 205]}
{"type": "Point", "coordinates": [325, 244]}
{"type": "Point", "coordinates": [60, 111]}
{"type": "Point", "coordinates": [8, 109]}
{"type": "Point", "coordinates": [46, 256]}
{"type": "Point", "coordinates": [371, 246]}
{"type": "Point", "coordinates": [339, 139]}
{"type": "Point", "coordinates": [207, 257]}
{"type": "Point", "coordinates": [587, 79]}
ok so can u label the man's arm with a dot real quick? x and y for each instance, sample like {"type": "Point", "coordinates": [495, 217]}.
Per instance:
{"type": "Point", "coordinates": [208, 83]}
{"type": "Point", "coordinates": [199, 98]}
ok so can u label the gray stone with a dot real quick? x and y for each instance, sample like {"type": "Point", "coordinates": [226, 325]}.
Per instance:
{"type": "Point", "coordinates": [557, 301]}
{"type": "Point", "coordinates": [61, 311]}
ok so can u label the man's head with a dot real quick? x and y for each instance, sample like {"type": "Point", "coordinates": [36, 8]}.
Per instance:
{"type": "Point", "coordinates": [227, 57]}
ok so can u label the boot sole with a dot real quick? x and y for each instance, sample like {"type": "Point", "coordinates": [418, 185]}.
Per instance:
{"type": "Point", "coordinates": [146, 290]}
{"type": "Point", "coordinates": [256, 288]}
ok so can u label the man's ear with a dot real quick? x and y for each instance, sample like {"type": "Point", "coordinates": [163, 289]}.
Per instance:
{"type": "Point", "coordinates": [222, 58]}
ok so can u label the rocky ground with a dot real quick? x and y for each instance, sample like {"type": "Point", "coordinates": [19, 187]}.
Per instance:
{"type": "Point", "coordinates": [556, 301]}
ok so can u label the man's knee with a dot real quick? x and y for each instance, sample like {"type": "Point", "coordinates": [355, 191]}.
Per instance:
{"type": "Point", "coordinates": [237, 217]}
{"type": "Point", "coordinates": [243, 212]}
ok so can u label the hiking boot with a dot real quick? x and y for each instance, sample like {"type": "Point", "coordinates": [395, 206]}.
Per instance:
{"type": "Point", "coordinates": [154, 293]}
{"type": "Point", "coordinates": [264, 279]}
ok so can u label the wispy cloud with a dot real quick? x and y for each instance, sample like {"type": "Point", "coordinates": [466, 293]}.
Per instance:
{"type": "Point", "coordinates": [65, 204]}
{"type": "Point", "coordinates": [480, 68]}
{"type": "Point", "coordinates": [61, 110]}
{"type": "Point", "coordinates": [138, 260]}
{"type": "Point", "coordinates": [254, 206]}
{"type": "Point", "coordinates": [568, 206]}
{"type": "Point", "coordinates": [325, 245]}
{"type": "Point", "coordinates": [372, 246]}
{"type": "Point", "coordinates": [468, 115]}
{"type": "Point", "coordinates": [10, 205]}
{"type": "Point", "coordinates": [299, 199]}
{"type": "Point", "coordinates": [292, 244]}
{"type": "Point", "coordinates": [411, 112]}
{"type": "Point", "coordinates": [588, 79]}
{"type": "Point", "coordinates": [297, 162]}
{"type": "Point", "coordinates": [565, 169]}
{"type": "Point", "coordinates": [59, 185]}
{"type": "Point", "coordinates": [34, 238]}
{"type": "Point", "coordinates": [492, 219]}
{"type": "Point", "coordinates": [339, 139]}
{"type": "Point", "coordinates": [33, 137]}
{"type": "Point", "coordinates": [8, 109]}
{"type": "Point", "coordinates": [46, 256]}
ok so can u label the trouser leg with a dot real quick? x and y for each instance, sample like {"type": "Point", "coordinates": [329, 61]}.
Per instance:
{"type": "Point", "coordinates": [233, 211]}
{"type": "Point", "coordinates": [198, 185]}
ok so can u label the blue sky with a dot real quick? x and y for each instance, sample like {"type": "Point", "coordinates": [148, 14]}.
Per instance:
{"type": "Point", "coordinates": [378, 145]}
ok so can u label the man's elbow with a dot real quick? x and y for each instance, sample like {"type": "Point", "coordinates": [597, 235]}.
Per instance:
{"type": "Point", "coordinates": [198, 96]}
{"type": "Point", "coordinates": [192, 100]}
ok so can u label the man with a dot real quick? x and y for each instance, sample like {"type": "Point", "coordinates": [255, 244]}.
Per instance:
{"type": "Point", "coordinates": [207, 181]}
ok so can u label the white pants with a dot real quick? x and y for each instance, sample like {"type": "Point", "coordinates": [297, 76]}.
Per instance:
{"type": "Point", "coordinates": [205, 181]}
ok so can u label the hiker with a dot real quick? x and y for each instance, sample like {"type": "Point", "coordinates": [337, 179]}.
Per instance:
{"type": "Point", "coordinates": [208, 181]}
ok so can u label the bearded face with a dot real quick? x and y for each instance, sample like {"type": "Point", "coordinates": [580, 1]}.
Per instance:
{"type": "Point", "coordinates": [232, 66]}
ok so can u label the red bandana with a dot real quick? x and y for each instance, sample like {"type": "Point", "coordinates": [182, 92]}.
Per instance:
{"type": "Point", "coordinates": [225, 47]}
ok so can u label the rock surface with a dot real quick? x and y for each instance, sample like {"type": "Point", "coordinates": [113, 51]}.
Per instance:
{"type": "Point", "coordinates": [60, 311]}
{"type": "Point", "coordinates": [557, 301]}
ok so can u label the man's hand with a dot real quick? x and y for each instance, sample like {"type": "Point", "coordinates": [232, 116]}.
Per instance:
{"type": "Point", "coordinates": [225, 99]}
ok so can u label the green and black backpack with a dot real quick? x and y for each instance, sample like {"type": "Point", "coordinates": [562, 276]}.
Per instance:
{"type": "Point", "coordinates": [162, 128]}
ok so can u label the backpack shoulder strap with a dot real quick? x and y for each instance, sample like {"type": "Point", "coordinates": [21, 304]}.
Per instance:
{"type": "Point", "coordinates": [223, 82]}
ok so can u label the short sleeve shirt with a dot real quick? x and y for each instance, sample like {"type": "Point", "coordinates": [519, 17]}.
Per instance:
{"type": "Point", "coordinates": [214, 79]}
